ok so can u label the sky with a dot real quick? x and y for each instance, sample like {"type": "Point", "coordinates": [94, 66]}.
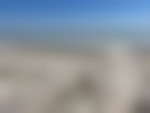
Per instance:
{"type": "Point", "coordinates": [51, 15]}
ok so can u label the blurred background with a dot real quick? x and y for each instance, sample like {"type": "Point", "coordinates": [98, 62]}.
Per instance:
{"type": "Point", "coordinates": [74, 56]}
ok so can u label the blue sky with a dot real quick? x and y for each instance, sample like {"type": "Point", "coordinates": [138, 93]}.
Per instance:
{"type": "Point", "coordinates": [74, 14]}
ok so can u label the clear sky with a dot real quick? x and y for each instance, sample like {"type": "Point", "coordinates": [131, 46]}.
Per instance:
{"type": "Point", "coordinates": [74, 14]}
